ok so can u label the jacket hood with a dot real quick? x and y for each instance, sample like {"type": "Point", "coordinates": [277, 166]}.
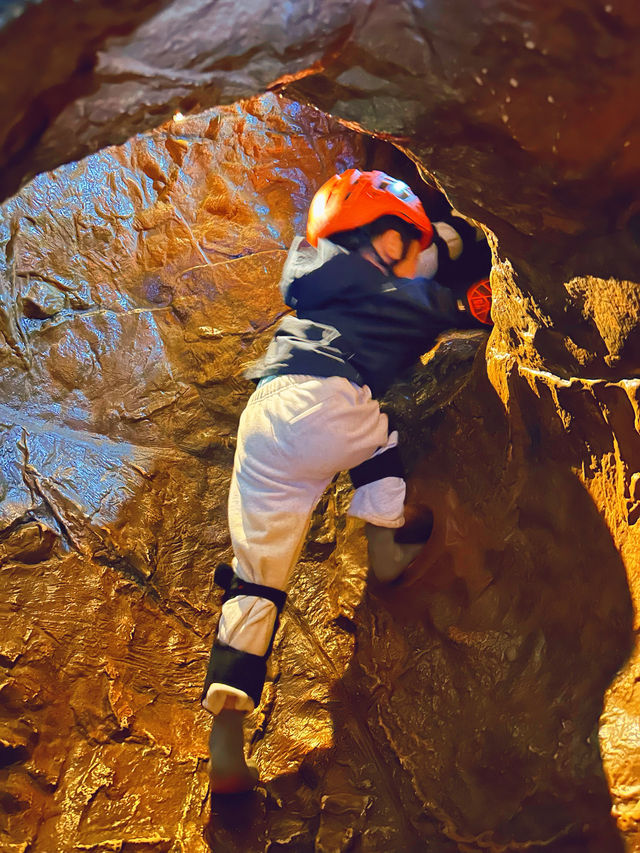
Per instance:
{"type": "Point", "coordinates": [303, 259]}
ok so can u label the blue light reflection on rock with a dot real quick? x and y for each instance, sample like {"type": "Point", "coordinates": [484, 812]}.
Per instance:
{"type": "Point", "coordinates": [130, 257]}
{"type": "Point", "coordinates": [85, 477]}
{"type": "Point", "coordinates": [134, 288]}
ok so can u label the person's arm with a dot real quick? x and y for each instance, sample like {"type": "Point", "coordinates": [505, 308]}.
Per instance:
{"type": "Point", "coordinates": [462, 307]}
{"type": "Point", "coordinates": [459, 252]}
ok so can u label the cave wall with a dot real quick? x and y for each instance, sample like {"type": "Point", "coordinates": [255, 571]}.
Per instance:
{"type": "Point", "coordinates": [524, 112]}
{"type": "Point", "coordinates": [521, 609]}
{"type": "Point", "coordinates": [135, 287]}
{"type": "Point", "coordinates": [484, 92]}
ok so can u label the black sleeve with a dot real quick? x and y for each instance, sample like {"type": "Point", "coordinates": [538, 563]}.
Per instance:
{"type": "Point", "coordinates": [440, 302]}
{"type": "Point", "coordinates": [446, 305]}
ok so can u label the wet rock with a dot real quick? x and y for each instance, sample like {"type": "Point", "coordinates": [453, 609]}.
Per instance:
{"type": "Point", "coordinates": [41, 301]}
{"type": "Point", "coordinates": [458, 711]}
{"type": "Point", "coordinates": [135, 287]}
{"type": "Point", "coordinates": [524, 115]}
{"type": "Point", "coordinates": [528, 85]}
{"type": "Point", "coordinates": [28, 543]}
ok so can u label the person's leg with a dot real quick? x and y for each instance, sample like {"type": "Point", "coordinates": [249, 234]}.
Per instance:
{"type": "Point", "coordinates": [279, 517]}
{"type": "Point", "coordinates": [379, 500]}
{"type": "Point", "coordinates": [281, 469]}
{"type": "Point", "coordinates": [293, 438]}
{"type": "Point", "coordinates": [229, 771]}
{"type": "Point", "coordinates": [388, 558]}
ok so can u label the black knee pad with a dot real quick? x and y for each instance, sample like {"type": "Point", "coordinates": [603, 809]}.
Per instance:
{"type": "Point", "coordinates": [387, 464]}
{"type": "Point", "coordinates": [242, 670]}
{"type": "Point", "coordinates": [237, 669]}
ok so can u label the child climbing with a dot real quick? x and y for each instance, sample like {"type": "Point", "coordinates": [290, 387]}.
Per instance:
{"type": "Point", "coordinates": [361, 319]}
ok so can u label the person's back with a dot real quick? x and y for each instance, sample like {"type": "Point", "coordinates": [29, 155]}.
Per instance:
{"type": "Point", "coordinates": [360, 319]}
{"type": "Point", "coordinates": [384, 322]}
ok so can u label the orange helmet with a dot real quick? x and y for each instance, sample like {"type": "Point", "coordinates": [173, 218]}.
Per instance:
{"type": "Point", "coordinates": [355, 198]}
{"type": "Point", "coordinates": [479, 299]}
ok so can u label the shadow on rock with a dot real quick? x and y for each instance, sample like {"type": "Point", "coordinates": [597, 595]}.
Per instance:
{"type": "Point", "coordinates": [237, 821]}
{"type": "Point", "coordinates": [474, 695]}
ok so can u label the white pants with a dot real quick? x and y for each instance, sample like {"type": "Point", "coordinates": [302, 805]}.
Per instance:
{"type": "Point", "coordinates": [295, 435]}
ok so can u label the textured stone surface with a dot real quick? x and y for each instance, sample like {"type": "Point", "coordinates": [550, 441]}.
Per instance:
{"type": "Point", "coordinates": [525, 112]}
{"type": "Point", "coordinates": [460, 710]}
{"type": "Point", "coordinates": [524, 588]}
{"type": "Point", "coordinates": [135, 287]}
{"type": "Point", "coordinates": [534, 101]}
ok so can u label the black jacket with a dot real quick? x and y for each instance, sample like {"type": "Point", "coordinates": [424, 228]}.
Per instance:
{"type": "Point", "coordinates": [353, 320]}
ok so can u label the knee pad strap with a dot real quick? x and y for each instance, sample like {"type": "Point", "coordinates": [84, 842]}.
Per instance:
{"type": "Point", "coordinates": [386, 464]}
{"type": "Point", "coordinates": [226, 578]}
{"type": "Point", "coordinates": [242, 670]}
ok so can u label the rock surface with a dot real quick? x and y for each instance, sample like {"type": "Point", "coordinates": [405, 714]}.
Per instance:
{"type": "Point", "coordinates": [135, 287]}
{"type": "Point", "coordinates": [460, 710]}
{"type": "Point", "coordinates": [525, 111]}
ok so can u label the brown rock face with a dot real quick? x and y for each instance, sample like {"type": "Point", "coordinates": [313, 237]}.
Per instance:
{"type": "Point", "coordinates": [525, 110]}
{"type": "Point", "coordinates": [135, 287]}
{"type": "Point", "coordinates": [474, 706]}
